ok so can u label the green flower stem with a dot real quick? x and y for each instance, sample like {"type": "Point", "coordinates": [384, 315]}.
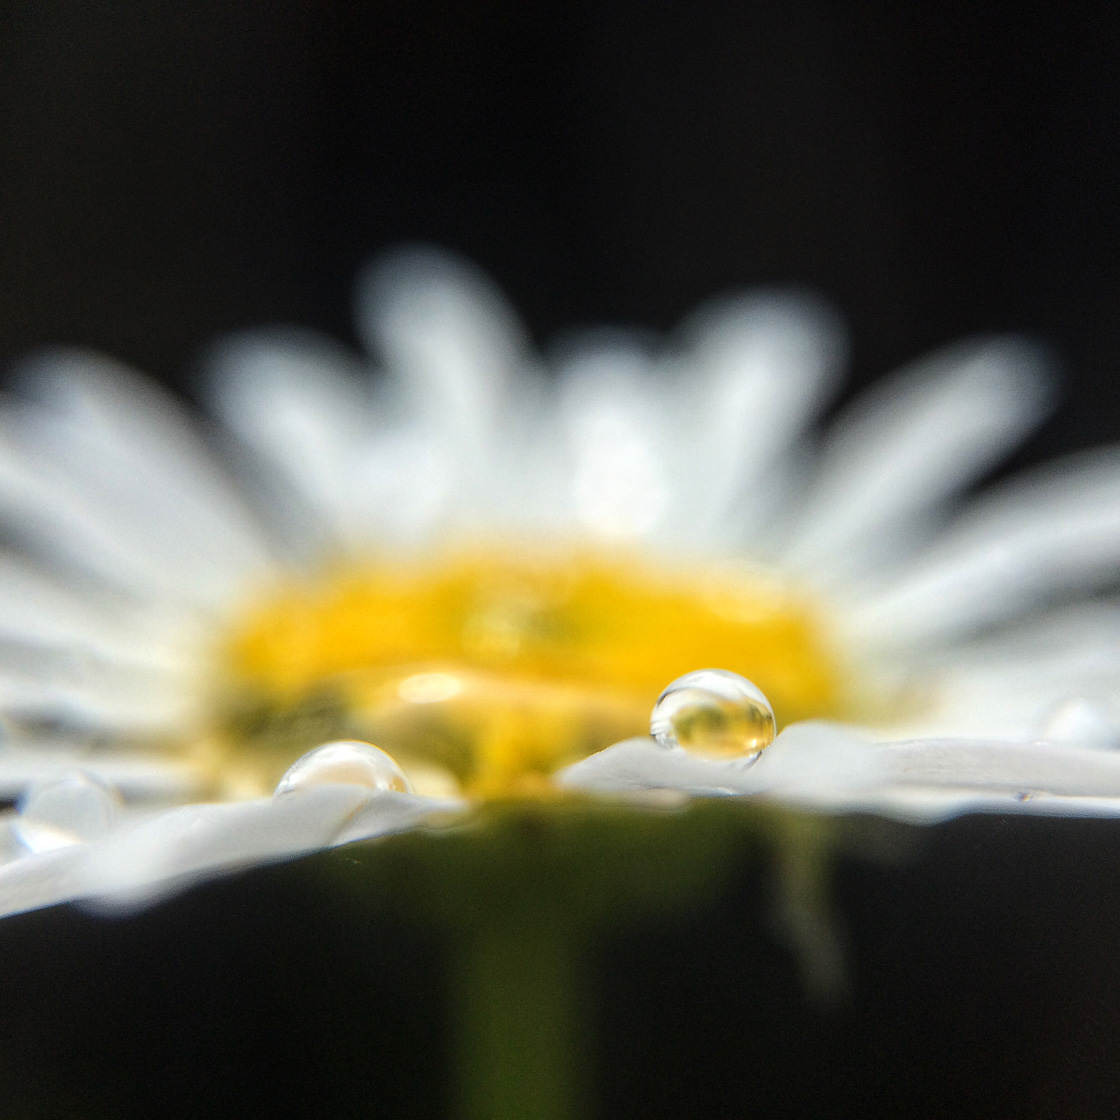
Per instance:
{"type": "Point", "coordinates": [523, 892]}
{"type": "Point", "coordinates": [519, 1036]}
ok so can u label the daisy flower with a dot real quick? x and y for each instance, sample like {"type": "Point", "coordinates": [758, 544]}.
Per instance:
{"type": "Point", "coordinates": [465, 579]}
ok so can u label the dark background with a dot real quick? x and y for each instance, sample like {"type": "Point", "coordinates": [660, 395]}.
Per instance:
{"type": "Point", "coordinates": [169, 172]}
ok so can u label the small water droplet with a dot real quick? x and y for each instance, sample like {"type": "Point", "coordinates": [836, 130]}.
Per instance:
{"type": "Point", "coordinates": [715, 713]}
{"type": "Point", "coordinates": [72, 809]}
{"type": "Point", "coordinates": [1078, 722]}
{"type": "Point", "coordinates": [346, 762]}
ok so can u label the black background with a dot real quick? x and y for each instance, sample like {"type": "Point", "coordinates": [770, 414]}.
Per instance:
{"type": "Point", "coordinates": [173, 171]}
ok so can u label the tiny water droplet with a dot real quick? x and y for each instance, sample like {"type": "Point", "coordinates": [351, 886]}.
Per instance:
{"type": "Point", "coordinates": [715, 713]}
{"type": "Point", "coordinates": [1078, 722]}
{"type": "Point", "coordinates": [72, 809]}
{"type": "Point", "coordinates": [345, 762]}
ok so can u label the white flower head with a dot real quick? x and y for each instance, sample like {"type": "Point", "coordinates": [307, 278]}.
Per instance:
{"type": "Point", "coordinates": [491, 566]}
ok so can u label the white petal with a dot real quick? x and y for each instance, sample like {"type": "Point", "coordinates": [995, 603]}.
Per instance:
{"type": "Point", "coordinates": [805, 756]}
{"type": "Point", "coordinates": [934, 805]}
{"type": "Point", "coordinates": [74, 529]}
{"type": "Point", "coordinates": [756, 370]}
{"type": "Point", "coordinates": [914, 441]}
{"type": "Point", "coordinates": [1057, 530]}
{"type": "Point", "coordinates": [925, 781]}
{"type": "Point", "coordinates": [11, 846]}
{"type": "Point", "coordinates": [42, 880]}
{"type": "Point", "coordinates": [37, 611]}
{"type": "Point", "coordinates": [130, 450]}
{"type": "Point", "coordinates": [827, 768]}
{"type": "Point", "coordinates": [170, 850]}
{"type": "Point", "coordinates": [306, 408]}
{"type": "Point", "coordinates": [1004, 685]}
{"type": "Point", "coordinates": [51, 707]}
{"type": "Point", "coordinates": [615, 418]}
{"type": "Point", "coordinates": [641, 764]}
{"type": "Point", "coordinates": [404, 479]}
{"type": "Point", "coordinates": [995, 765]}
{"type": "Point", "coordinates": [453, 348]}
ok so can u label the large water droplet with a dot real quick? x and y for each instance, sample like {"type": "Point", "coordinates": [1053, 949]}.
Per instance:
{"type": "Point", "coordinates": [1079, 722]}
{"type": "Point", "coordinates": [715, 713]}
{"type": "Point", "coordinates": [346, 762]}
{"type": "Point", "coordinates": [73, 809]}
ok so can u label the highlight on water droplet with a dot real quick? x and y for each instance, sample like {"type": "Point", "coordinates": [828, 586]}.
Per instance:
{"type": "Point", "coordinates": [715, 713]}
{"type": "Point", "coordinates": [59, 812]}
{"type": "Point", "coordinates": [345, 762]}
{"type": "Point", "coordinates": [1080, 722]}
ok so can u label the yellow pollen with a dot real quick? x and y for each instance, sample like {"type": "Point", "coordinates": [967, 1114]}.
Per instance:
{"type": "Point", "coordinates": [490, 668]}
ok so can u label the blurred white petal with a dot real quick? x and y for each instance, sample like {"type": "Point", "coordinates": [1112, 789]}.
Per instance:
{"type": "Point", "coordinates": [41, 612]}
{"type": "Point", "coordinates": [305, 409]}
{"type": "Point", "coordinates": [615, 423]}
{"type": "Point", "coordinates": [901, 449]}
{"type": "Point", "coordinates": [453, 348]}
{"type": "Point", "coordinates": [755, 372]}
{"type": "Point", "coordinates": [110, 446]}
{"type": "Point", "coordinates": [1055, 531]}
{"type": "Point", "coordinates": [168, 851]}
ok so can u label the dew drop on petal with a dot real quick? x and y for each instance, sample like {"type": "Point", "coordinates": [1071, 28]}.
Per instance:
{"type": "Point", "coordinates": [345, 762]}
{"type": "Point", "coordinates": [715, 713]}
{"type": "Point", "coordinates": [1079, 722]}
{"type": "Point", "coordinates": [73, 809]}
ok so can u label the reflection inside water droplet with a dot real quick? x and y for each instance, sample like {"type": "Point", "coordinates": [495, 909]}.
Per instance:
{"type": "Point", "coordinates": [74, 809]}
{"type": "Point", "coordinates": [715, 713]}
{"type": "Point", "coordinates": [346, 762]}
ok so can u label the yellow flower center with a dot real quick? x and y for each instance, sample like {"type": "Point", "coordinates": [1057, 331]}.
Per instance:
{"type": "Point", "coordinates": [489, 668]}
